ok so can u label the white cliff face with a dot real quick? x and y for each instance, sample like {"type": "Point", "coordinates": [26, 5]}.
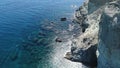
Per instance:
{"type": "Point", "coordinates": [109, 37]}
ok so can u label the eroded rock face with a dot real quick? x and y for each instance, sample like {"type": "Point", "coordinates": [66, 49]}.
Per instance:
{"type": "Point", "coordinates": [109, 37]}
{"type": "Point", "coordinates": [99, 2]}
{"type": "Point", "coordinates": [93, 5]}
{"type": "Point", "coordinates": [102, 18]}
{"type": "Point", "coordinates": [84, 47]}
{"type": "Point", "coordinates": [83, 55]}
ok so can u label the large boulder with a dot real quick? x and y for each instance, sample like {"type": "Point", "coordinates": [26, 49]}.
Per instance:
{"type": "Point", "coordinates": [86, 56]}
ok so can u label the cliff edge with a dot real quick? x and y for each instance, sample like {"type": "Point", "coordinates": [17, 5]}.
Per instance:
{"type": "Point", "coordinates": [109, 36]}
{"type": "Point", "coordinates": [98, 43]}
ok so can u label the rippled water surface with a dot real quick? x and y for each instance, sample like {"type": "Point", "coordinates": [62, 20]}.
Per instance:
{"type": "Point", "coordinates": [28, 29]}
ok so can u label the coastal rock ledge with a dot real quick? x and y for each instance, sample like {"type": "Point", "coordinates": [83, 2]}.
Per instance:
{"type": "Point", "coordinates": [99, 42]}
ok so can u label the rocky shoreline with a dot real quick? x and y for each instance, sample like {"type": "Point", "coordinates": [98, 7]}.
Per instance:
{"type": "Point", "coordinates": [97, 18]}
{"type": "Point", "coordinates": [97, 46]}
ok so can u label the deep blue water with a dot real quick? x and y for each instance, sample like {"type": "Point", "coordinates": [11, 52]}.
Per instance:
{"type": "Point", "coordinates": [21, 18]}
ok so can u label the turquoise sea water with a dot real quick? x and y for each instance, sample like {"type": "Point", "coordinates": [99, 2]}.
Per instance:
{"type": "Point", "coordinates": [28, 29]}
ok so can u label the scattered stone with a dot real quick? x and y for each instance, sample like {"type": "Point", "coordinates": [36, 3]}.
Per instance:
{"type": "Point", "coordinates": [68, 56]}
{"type": "Point", "coordinates": [63, 19]}
{"type": "Point", "coordinates": [41, 34]}
{"type": "Point", "coordinates": [58, 40]}
{"type": "Point", "coordinates": [52, 22]}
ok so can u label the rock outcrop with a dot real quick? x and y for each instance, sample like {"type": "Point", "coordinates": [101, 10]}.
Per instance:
{"type": "Point", "coordinates": [84, 47]}
{"type": "Point", "coordinates": [100, 21]}
{"type": "Point", "coordinates": [109, 37]}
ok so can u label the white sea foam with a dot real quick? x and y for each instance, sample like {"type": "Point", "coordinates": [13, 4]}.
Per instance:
{"type": "Point", "coordinates": [71, 27]}
{"type": "Point", "coordinates": [58, 60]}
